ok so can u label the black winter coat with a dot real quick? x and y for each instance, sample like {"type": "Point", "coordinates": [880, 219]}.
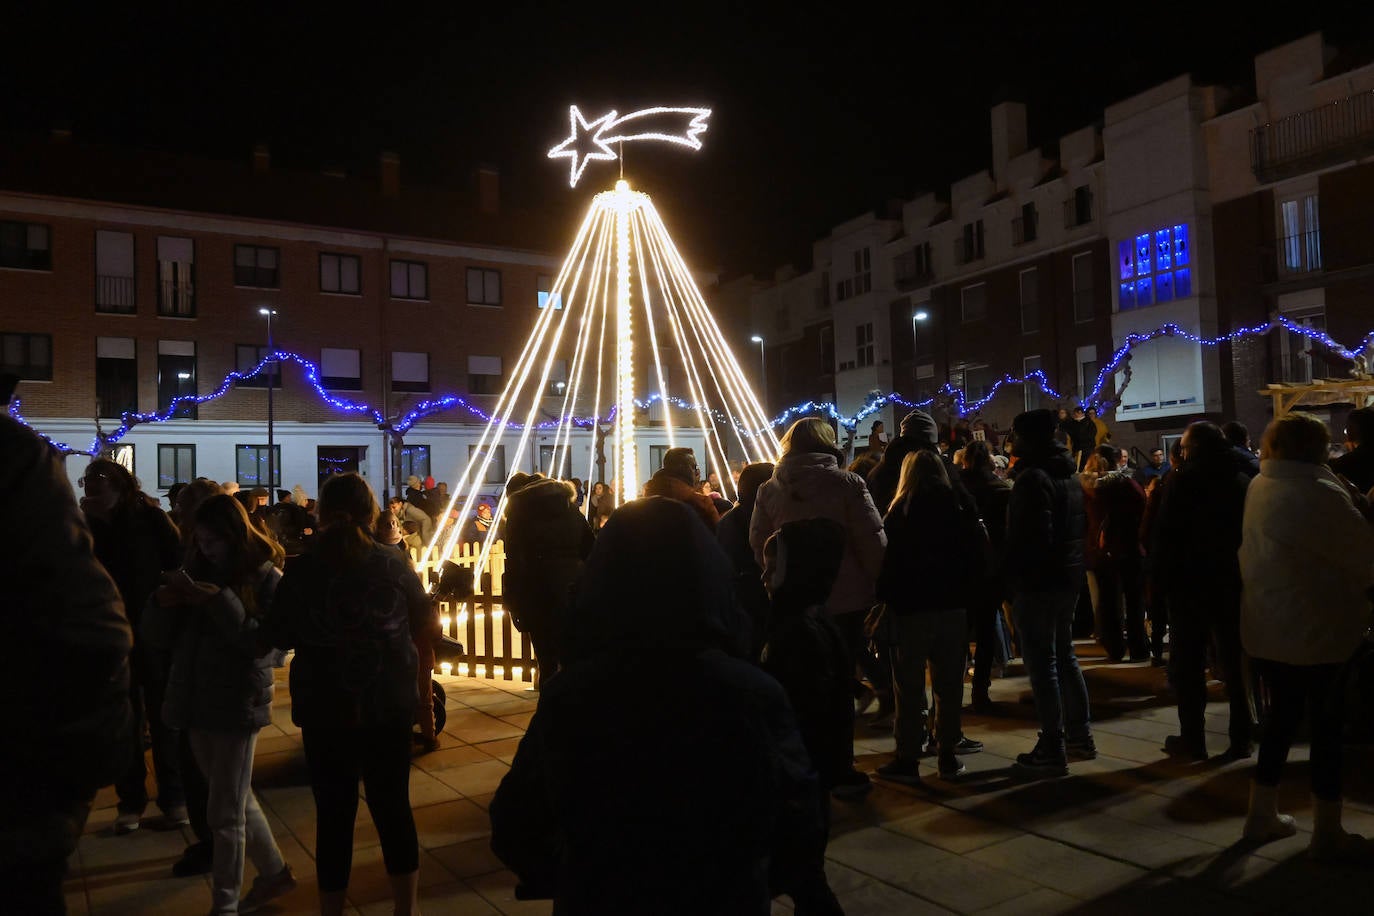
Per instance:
{"type": "Point", "coordinates": [1198, 529]}
{"type": "Point", "coordinates": [1045, 523]}
{"type": "Point", "coordinates": [937, 549]}
{"type": "Point", "coordinates": [806, 654]}
{"type": "Point", "coordinates": [546, 541]}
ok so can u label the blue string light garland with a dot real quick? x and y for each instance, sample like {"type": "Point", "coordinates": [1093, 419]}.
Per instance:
{"type": "Point", "coordinates": [961, 404]}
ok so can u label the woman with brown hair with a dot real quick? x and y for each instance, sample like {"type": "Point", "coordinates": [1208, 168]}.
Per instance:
{"type": "Point", "coordinates": [353, 610]}
{"type": "Point", "coordinates": [208, 614]}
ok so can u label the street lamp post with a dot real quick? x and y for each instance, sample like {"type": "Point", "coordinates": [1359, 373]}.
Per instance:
{"type": "Point", "coordinates": [763, 366]}
{"type": "Point", "coordinates": [271, 383]}
{"type": "Point", "coordinates": [917, 316]}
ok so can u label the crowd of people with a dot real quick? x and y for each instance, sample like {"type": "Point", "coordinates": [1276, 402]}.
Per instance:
{"type": "Point", "coordinates": [834, 587]}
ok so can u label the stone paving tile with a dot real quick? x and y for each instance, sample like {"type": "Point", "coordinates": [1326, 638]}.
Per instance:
{"type": "Point", "coordinates": [875, 899]}
{"type": "Point", "coordinates": [1121, 839]}
{"type": "Point", "coordinates": [473, 727]}
{"type": "Point", "coordinates": [1059, 867]}
{"type": "Point", "coordinates": [503, 751]}
{"type": "Point", "coordinates": [453, 899]}
{"type": "Point", "coordinates": [426, 790]}
{"type": "Point", "coordinates": [468, 859]}
{"type": "Point", "coordinates": [368, 881]}
{"type": "Point", "coordinates": [951, 830]}
{"type": "Point", "coordinates": [1040, 902]}
{"type": "Point", "coordinates": [498, 889]}
{"type": "Point", "coordinates": [451, 822]}
{"type": "Point", "coordinates": [474, 778]}
{"type": "Point", "coordinates": [520, 721]}
{"type": "Point", "coordinates": [452, 754]}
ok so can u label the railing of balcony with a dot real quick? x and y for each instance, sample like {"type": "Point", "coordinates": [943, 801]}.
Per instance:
{"type": "Point", "coordinates": [115, 294]}
{"type": "Point", "coordinates": [1309, 139]}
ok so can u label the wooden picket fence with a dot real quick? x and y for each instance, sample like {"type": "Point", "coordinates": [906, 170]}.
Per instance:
{"type": "Point", "coordinates": [496, 650]}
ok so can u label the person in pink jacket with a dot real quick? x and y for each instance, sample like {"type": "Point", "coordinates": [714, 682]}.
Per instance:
{"type": "Point", "coordinates": [810, 483]}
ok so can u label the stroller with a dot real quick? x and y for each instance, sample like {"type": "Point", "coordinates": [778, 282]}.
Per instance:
{"type": "Point", "coordinates": [454, 584]}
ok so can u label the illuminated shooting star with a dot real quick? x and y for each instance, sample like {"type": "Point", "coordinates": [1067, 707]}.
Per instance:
{"type": "Point", "coordinates": [682, 126]}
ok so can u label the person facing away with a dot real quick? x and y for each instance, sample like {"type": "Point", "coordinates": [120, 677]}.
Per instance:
{"type": "Point", "coordinates": [136, 543]}
{"type": "Point", "coordinates": [1307, 564]}
{"type": "Point", "coordinates": [733, 534]}
{"type": "Point", "coordinates": [806, 652]}
{"type": "Point", "coordinates": [1043, 562]}
{"type": "Point", "coordinates": [207, 614]}
{"type": "Point", "coordinates": [655, 605]}
{"type": "Point", "coordinates": [935, 546]}
{"type": "Point", "coordinates": [1115, 505]}
{"type": "Point", "coordinates": [1198, 532]}
{"type": "Point", "coordinates": [680, 479]}
{"type": "Point", "coordinates": [353, 610]}
{"type": "Point", "coordinates": [991, 494]}
{"type": "Point", "coordinates": [547, 540]}
{"type": "Point", "coordinates": [1238, 438]}
{"type": "Point", "coordinates": [64, 665]}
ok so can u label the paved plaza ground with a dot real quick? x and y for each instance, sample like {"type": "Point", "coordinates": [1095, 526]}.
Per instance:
{"type": "Point", "coordinates": [1131, 832]}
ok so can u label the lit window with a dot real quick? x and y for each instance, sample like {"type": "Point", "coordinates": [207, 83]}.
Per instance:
{"type": "Point", "coordinates": [1154, 268]}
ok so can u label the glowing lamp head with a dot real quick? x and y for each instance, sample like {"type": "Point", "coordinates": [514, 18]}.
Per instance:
{"type": "Point", "coordinates": [622, 186]}
{"type": "Point", "coordinates": [756, 339]}
{"type": "Point", "coordinates": [920, 316]}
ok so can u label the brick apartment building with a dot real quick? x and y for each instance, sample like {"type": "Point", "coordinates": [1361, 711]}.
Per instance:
{"type": "Point", "coordinates": [1212, 208]}
{"type": "Point", "coordinates": [128, 278]}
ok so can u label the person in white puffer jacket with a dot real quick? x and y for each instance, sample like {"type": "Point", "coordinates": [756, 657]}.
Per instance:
{"type": "Point", "coordinates": [810, 483]}
{"type": "Point", "coordinates": [1307, 563]}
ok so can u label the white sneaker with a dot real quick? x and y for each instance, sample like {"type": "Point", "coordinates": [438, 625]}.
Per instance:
{"type": "Point", "coordinates": [127, 822]}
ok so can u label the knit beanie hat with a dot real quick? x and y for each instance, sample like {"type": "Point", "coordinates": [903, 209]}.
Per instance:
{"type": "Point", "coordinates": [1035, 425]}
{"type": "Point", "coordinates": [920, 427]}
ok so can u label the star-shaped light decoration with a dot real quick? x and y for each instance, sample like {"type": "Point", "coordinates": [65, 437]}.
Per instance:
{"type": "Point", "coordinates": [660, 123]}
{"type": "Point", "coordinates": [571, 148]}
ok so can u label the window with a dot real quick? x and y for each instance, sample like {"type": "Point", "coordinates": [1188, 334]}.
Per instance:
{"type": "Point", "coordinates": [1078, 210]}
{"type": "Point", "coordinates": [1024, 226]}
{"type": "Point", "coordinates": [176, 376]}
{"type": "Point", "coordinates": [246, 359]}
{"type": "Point", "coordinates": [409, 371]}
{"type": "Point", "coordinates": [414, 460]}
{"type": "Point", "coordinates": [484, 287]}
{"type": "Point", "coordinates": [914, 266]}
{"type": "Point", "coordinates": [1295, 350]}
{"type": "Point", "coordinates": [28, 356]}
{"type": "Point", "coordinates": [1030, 300]}
{"type": "Point", "coordinates": [496, 470]}
{"type": "Point", "coordinates": [656, 453]}
{"type": "Point", "coordinates": [558, 379]}
{"type": "Point", "coordinates": [1088, 370]}
{"type": "Point", "coordinates": [973, 302]}
{"type": "Point", "coordinates": [1083, 287]}
{"type": "Point", "coordinates": [409, 280]}
{"type": "Point", "coordinates": [925, 381]}
{"type": "Point", "coordinates": [1301, 242]}
{"type": "Point", "coordinates": [341, 273]}
{"type": "Point", "coordinates": [546, 460]}
{"type": "Point", "coordinates": [25, 246]}
{"type": "Point", "coordinates": [116, 376]}
{"type": "Point", "coordinates": [256, 266]}
{"type": "Point", "coordinates": [863, 345]}
{"type": "Point", "coordinates": [545, 283]}
{"type": "Point", "coordinates": [484, 374]}
{"type": "Point", "coordinates": [115, 290]}
{"type": "Point", "coordinates": [862, 280]}
{"type": "Point", "coordinates": [339, 459]}
{"type": "Point", "coordinates": [969, 246]}
{"type": "Point", "coordinates": [1154, 267]}
{"type": "Point", "coordinates": [250, 466]}
{"type": "Point", "coordinates": [176, 262]}
{"type": "Point", "coordinates": [1032, 386]}
{"type": "Point", "coordinates": [341, 370]}
{"type": "Point", "coordinates": [175, 464]}
{"type": "Point", "coordinates": [977, 382]}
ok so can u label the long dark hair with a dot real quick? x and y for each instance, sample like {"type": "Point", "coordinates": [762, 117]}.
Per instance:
{"type": "Point", "coordinates": [249, 546]}
{"type": "Point", "coordinates": [922, 471]}
{"type": "Point", "coordinates": [348, 512]}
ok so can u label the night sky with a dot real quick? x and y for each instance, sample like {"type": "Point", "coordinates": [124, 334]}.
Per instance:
{"type": "Point", "coordinates": [821, 111]}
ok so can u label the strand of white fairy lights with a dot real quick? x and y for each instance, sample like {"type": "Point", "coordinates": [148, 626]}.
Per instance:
{"type": "Point", "coordinates": [648, 300]}
{"type": "Point", "coordinates": [625, 203]}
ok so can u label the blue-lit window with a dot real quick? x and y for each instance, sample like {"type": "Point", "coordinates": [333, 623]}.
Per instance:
{"type": "Point", "coordinates": [1153, 268]}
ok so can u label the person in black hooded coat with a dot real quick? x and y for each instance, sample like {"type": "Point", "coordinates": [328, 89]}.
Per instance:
{"type": "Point", "coordinates": [733, 534]}
{"type": "Point", "coordinates": [693, 827]}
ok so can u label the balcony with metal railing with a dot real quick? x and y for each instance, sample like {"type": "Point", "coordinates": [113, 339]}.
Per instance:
{"type": "Point", "coordinates": [115, 294]}
{"type": "Point", "coordinates": [910, 271]}
{"type": "Point", "coordinates": [1331, 133]}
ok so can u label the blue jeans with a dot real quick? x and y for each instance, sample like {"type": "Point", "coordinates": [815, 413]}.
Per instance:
{"type": "Point", "coordinates": [1044, 621]}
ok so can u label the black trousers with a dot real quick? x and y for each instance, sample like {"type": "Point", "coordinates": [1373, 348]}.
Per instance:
{"type": "Point", "coordinates": [337, 759]}
{"type": "Point", "coordinates": [1197, 615]}
{"type": "Point", "coordinates": [878, 669]}
{"type": "Point", "coordinates": [1294, 690]}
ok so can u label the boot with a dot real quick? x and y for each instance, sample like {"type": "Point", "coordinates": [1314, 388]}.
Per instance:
{"type": "Point", "coordinates": [332, 902]}
{"type": "Point", "coordinates": [1263, 822]}
{"type": "Point", "coordinates": [1330, 842]}
{"type": "Point", "coordinates": [405, 894]}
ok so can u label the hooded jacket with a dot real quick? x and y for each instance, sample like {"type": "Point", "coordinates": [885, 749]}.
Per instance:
{"type": "Point", "coordinates": [654, 606]}
{"type": "Point", "coordinates": [1045, 521]}
{"type": "Point", "coordinates": [1197, 528]}
{"type": "Point", "coordinates": [1307, 561]}
{"type": "Point", "coordinates": [812, 485]}
{"type": "Point", "coordinates": [546, 541]}
{"type": "Point", "coordinates": [665, 483]}
{"type": "Point", "coordinates": [1114, 509]}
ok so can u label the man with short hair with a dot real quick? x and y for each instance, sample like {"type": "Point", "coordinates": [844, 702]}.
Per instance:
{"type": "Point", "coordinates": [1239, 438]}
{"type": "Point", "coordinates": [409, 512]}
{"type": "Point", "coordinates": [680, 479]}
{"type": "Point", "coordinates": [1043, 560]}
{"type": "Point", "coordinates": [1157, 467]}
